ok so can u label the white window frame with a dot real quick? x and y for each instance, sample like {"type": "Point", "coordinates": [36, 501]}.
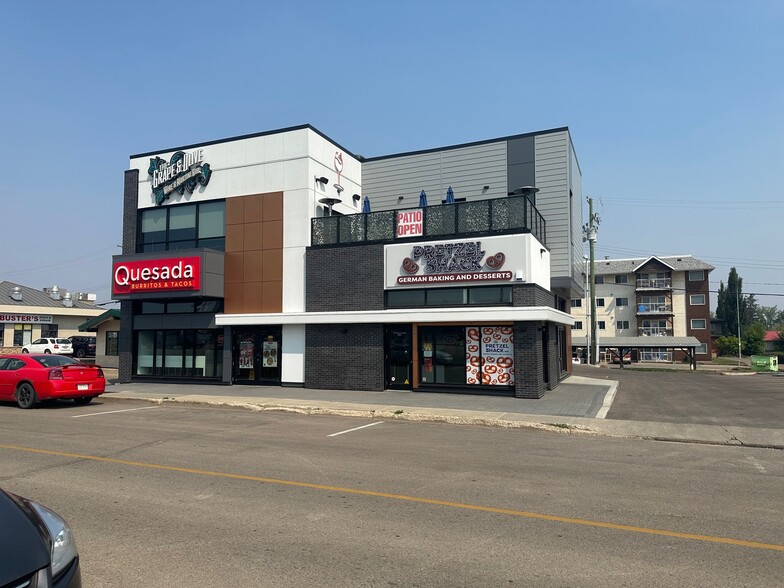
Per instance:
{"type": "Point", "coordinates": [703, 327]}
{"type": "Point", "coordinates": [600, 302]}
{"type": "Point", "coordinates": [600, 325]}
{"type": "Point", "coordinates": [701, 349]}
{"type": "Point", "coordinates": [578, 325]}
{"type": "Point", "coordinates": [693, 296]}
{"type": "Point", "coordinates": [577, 302]}
{"type": "Point", "coordinates": [619, 302]}
{"type": "Point", "coordinates": [701, 273]}
{"type": "Point", "coordinates": [621, 279]}
{"type": "Point", "coordinates": [624, 325]}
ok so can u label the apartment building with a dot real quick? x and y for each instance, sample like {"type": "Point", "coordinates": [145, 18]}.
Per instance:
{"type": "Point", "coordinates": [655, 309]}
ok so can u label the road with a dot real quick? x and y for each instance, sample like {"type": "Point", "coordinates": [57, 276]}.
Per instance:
{"type": "Point", "coordinates": [175, 494]}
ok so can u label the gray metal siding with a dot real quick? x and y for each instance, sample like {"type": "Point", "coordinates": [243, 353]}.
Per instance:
{"type": "Point", "coordinates": [467, 170]}
{"type": "Point", "coordinates": [552, 200]}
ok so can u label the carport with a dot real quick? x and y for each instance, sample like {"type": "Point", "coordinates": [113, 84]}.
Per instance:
{"type": "Point", "coordinates": [620, 346]}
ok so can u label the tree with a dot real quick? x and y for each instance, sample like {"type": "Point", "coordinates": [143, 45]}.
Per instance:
{"type": "Point", "coordinates": [769, 316]}
{"type": "Point", "coordinates": [727, 345]}
{"type": "Point", "coordinates": [754, 340]}
{"type": "Point", "coordinates": [731, 302]}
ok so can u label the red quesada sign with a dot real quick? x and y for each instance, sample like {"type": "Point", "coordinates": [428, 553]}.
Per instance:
{"type": "Point", "coordinates": [156, 275]}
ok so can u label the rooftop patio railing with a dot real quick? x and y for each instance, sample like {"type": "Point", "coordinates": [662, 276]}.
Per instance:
{"type": "Point", "coordinates": [514, 214]}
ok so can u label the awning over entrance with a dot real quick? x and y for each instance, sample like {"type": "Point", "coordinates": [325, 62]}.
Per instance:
{"type": "Point", "coordinates": [626, 344]}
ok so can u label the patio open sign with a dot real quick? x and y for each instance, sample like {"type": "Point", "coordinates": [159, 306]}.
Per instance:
{"type": "Point", "coordinates": [410, 223]}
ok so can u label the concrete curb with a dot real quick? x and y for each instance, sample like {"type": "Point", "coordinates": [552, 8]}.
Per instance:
{"type": "Point", "coordinates": [646, 431]}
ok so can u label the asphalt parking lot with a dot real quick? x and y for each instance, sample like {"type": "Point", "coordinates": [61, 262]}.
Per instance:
{"type": "Point", "coordinates": [698, 397]}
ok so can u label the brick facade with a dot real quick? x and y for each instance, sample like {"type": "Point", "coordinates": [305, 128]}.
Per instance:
{"type": "Point", "coordinates": [342, 279]}
{"type": "Point", "coordinates": [344, 357]}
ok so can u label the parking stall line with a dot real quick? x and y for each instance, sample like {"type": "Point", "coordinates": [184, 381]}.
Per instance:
{"type": "Point", "coordinates": [78, 416]}
{"type": "Point", "coordinates": [355, 429]}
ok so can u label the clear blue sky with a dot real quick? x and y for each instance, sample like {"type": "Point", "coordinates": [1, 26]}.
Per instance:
{"type": "Point", "coordinates": [676, 109]}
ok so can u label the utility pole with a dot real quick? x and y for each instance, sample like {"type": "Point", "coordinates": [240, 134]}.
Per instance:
{"type": "Point", "coordinates": [737, 310]}
{"type": "Point", "coordinates": [589, 234]}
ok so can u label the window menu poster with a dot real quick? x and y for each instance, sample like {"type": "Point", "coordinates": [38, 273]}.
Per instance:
{"type": "Point", "coordinates": [246, 354]}
{"type": "Point", "coordinates": [490, 356]}
{"type": "Point", "coordinates": [270, 354]}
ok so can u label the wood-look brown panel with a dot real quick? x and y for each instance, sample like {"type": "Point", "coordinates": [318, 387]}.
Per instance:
{"type": "Point", "coordinates": [233, 301]}
{"type": "Point", "coordinates": [253, 208]}
{"type": "Point", "coordinates": [273, 206]}
{"type": "Point", "coordinates": [235, 238]}
{"type": "Point", "coordinates": [235, 210]}
{"type": "Point", "coordinates": [253, 297]}
{"type": "Point", "coordinates": [272, 235]}
{"type": "Point", "coordinates": [254, 266]}
{"type": "Point", "coordinates": [233, 268]}
{"type": "Point", "coordinates": [273, 297]}
{"type": "Point", "coordinates": [253, 236]}
{"type": "Point", "coordinates": [273, 265]}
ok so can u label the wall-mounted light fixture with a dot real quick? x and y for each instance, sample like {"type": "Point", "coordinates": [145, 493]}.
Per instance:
{"type": "Point", "coordinates": [356, 197]}
{"type": "Point", "coordinates": [399, 198]}
{"type": "Point", "coordinates": [322, 180]}
{"type": "Point", "coordinates": [485, 187]}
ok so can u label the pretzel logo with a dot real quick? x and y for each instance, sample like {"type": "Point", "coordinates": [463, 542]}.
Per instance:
{"type": "Point", "coordinates": [410, 266]}
{"type": "Point", "coordinates": [496, 261]}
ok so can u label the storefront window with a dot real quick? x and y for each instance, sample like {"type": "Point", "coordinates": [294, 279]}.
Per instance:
{"type": "Point", "coordinates": [48, 330]}
{"type": "Point", "coordinates": [182, 227]}
{"type": "Point", "coordinates": [112, 339]}
{"type": "Point", "coordinates": [477, 295]}
{"type": "Point", "coordinates": [145, 353]}
{"type": "Point", "coordinates": [460, 356]}
{"type": "Point", "coordinates": [177, 353]}
{"type": "Point", "coordinates": [23, 335]}
{"type": "Point", "coordinates": [2, 329]}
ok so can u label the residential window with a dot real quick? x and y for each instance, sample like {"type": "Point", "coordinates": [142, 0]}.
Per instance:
{"type": "Point", "coordinates": [112, 340]}
{"type": "Point", "coordinates": [600, 302]}
{"type": "Point", "coordinates": [48, 330]}
{"type": "Point", "coordinates": [697, 299]}
{"type": "Point", "coordinates": [599, 279]}
{"type": "Point", "coordinates": [620, 325]}
{"type": "Point", "coordinates": [577, 302]}
{"type": "Point", "coordinates": [701, 349]}
{"type": "Point", "coordinates": [621, 302]}
{"type": "Point", "coordinates": [578, 325]}
{"type": "Point", "coordinates": [600, 324]}
{"type": "Point", "coordinates": [697, 323]}
{"type": "Point", "coordinates": [696, 275]}
{"type": "Point", "coordinates": [23, 335]}
{"type": "Point", "coordinates": [622, 279]}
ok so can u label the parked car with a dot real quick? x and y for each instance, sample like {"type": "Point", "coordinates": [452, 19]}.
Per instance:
{"type": "Point", "coordinates": [83, 346]}
{"type": "Point", "coordinates": [28, 378]}
{"type": "Point", "coordinates": [627, 358]}
{"type": "Point", "coordinates": [576, 359]}
{"type": "Point", "coordinates": [49, 345]}
{"type": "Point", "coordinates": [38, 547]}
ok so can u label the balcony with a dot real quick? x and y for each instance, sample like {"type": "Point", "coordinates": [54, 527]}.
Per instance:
{"type": "Point", "coordinates": [653, 308]}
{"type": "Point", "coordinates": [654, 283]}
{"type": "Point", "coordinates": [654, 332]}
{"type": "Point", "coordinates": [513, 214]}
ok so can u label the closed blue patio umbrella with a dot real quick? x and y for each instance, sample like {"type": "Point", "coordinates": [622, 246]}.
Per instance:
{"type": "Point", "coordinates": [366, 204]}
{"type": "Point", "coordinates": [450, 196]}
{"type": "Point", "coordinates": [422, 198]}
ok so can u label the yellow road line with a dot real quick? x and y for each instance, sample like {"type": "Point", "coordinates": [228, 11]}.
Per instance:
{"type": "Point", "coordinates": [415, 499]}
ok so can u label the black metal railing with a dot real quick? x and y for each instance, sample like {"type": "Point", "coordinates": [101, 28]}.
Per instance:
{"type": "Point", "coordinates": [514, 214]}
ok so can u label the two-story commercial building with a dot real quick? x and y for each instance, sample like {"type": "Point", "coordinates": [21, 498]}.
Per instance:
{"type": "Point", "coordinates": [282, 258]}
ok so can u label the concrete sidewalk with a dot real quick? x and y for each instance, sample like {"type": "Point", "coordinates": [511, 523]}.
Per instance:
{"type": "Point", "coordinates": [577, 406]}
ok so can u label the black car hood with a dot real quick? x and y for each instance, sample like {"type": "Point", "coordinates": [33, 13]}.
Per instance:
{"type": "Point", "coordinates": [23, 547]}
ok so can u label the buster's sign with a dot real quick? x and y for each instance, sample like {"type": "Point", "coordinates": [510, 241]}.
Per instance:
{"type": "Point", "coordinates": [156, 275]}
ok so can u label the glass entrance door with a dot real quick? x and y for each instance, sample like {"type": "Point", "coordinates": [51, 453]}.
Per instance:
{"type": "Point", "coordinates": [256, 355]}
{"type": "Point", "coordinates": [398, 357]}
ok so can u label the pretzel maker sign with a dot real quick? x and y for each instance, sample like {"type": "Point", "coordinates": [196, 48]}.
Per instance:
{"type": "Point", "coordinates": [452, 262]}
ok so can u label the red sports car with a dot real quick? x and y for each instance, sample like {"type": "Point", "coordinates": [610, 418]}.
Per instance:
{"type": "Point", "coordinates": [31, 377]}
